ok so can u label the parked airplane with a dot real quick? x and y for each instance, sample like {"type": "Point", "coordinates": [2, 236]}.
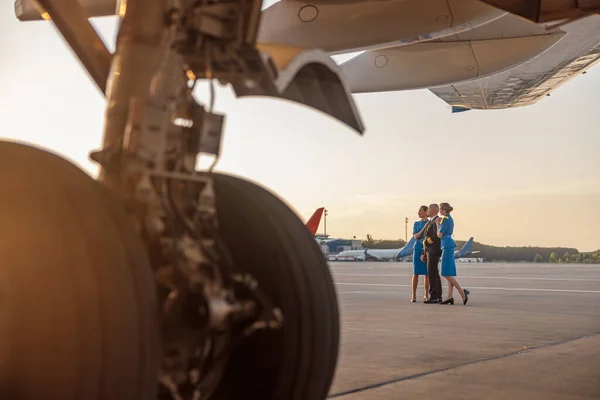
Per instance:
{"type": "Point", "coordinates": [313, 225]}
{"type": "Point", "coordinates": [394, 254]}
{"type": "Point", "coordinates": [376, 254]}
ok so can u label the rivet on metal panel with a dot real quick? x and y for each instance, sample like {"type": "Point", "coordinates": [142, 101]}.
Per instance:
{"type": "Point", "coordinates": [381, 61]}
{"type": "Point", "coordinates": [308, 13]}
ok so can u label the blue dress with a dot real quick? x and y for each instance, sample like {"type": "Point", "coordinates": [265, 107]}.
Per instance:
{"type": "Point", "coordinates": [448, 246]}
{"type": "Point", "coordinates": [419, 267]}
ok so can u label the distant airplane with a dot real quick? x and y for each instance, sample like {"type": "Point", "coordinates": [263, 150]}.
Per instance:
{"type": "Point", "coordinates": [376, 254]}
{"type": "Point", "coordinates": [313, 225]}
{"type": "Point", "coordinates": [394, 254]}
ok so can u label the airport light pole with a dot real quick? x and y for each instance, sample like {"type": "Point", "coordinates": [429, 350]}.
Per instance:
{"type": "Point", "coordinates": [406, 229]}
{"type": "Point", "coordinates": [325, 222]}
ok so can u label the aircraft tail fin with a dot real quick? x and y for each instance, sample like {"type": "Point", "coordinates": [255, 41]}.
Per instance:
{"type": "Point", "coordinates": [466, 249]}
{"type": "Point", "coordinates": [315, 220]}
{"type": "Point", "coordinates": [407, 249]}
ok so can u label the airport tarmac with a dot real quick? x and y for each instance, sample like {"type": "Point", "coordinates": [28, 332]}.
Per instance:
{"type": "Point", "coordinates": [529, 331]}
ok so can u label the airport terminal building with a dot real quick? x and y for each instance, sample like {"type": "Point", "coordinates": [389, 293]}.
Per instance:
{"type": "Point", "coordinates": [335, 246]}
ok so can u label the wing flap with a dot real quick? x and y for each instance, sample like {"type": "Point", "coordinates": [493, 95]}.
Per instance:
{"type": "Point", "coordinates": [526, 84]}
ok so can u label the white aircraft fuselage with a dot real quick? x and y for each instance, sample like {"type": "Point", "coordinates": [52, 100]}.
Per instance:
{"type": "Point", "coordinates": [469, 53]}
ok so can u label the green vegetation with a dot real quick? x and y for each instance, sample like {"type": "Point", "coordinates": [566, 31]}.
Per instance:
{"type": "Point", "coordinates": [533, 254]}
{"type": "Point", "coordinates": [507, 254]}
{"type": "Point", "coordinates": [371, 243]}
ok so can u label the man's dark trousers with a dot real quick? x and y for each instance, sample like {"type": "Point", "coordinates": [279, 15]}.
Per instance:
{"type": "Point", "coordinates": [433, 249]}
{"type": "Point", "coordinates": [435, 282]}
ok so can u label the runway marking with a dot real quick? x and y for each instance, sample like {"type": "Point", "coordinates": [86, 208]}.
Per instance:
{"type": "Point", "coordinates": [477, 361]}
{"type": "Point", "coordinates": [467, 265]}
{"type": "Point", "coordinates": [486, 277]}
{"type": "Point", "coordinates": [360, 291]}
{"type": "Point", "coordinates": [480, 287]}
{"type": "Point", "coordinates": [394, 332]}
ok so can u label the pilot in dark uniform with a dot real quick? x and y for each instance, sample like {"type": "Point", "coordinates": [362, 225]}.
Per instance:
{"type": "Point", "coordinates": [432, 252]}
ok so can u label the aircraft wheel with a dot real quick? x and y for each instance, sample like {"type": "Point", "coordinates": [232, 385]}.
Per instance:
{"type": "Point", "coordinates": [267, 240]}
{"type": "Point", "coordinates": [77, 296]}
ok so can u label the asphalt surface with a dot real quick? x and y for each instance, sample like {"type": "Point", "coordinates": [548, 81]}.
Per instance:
{"type": "Point", "coordinates": [529, 331]}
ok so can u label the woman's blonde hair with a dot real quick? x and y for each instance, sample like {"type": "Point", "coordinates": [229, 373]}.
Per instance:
{"type": "Point", "coordinates": [446, 207]}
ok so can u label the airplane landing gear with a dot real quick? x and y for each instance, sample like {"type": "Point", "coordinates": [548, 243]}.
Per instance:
{"type": "Point", "coordinates": [80, 311]}
{"type": "Point", "coordinates": [159, 281]}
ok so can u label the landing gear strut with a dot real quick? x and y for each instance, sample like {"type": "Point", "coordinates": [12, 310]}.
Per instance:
{"type": "Point", "coordinates": [159, 281]}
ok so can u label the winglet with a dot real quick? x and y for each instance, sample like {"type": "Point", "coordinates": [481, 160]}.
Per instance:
{"type": "Point", "coordinates": [315, 220]}
{"type": "Point", "coordinates": [458, 109]}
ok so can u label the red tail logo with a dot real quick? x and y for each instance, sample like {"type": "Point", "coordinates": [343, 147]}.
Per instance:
{"type": "Point", "coordinates": [315, 220]}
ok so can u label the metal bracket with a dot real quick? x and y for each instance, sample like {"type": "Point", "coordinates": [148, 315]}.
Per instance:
{"type": "Point", "coordinates": [206, 131]}
{"type": "Point", "coordinates": [308, 77]}
{"type": "Point", "coordinates": [145, 138]}
{"type": "Point", "coordinates": [71, 20]}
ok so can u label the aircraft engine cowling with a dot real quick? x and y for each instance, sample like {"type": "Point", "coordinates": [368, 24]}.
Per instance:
{"type": "Point", "coordinates": [432, 64]}
{"type": "Point", "coordinates": [343, 26]}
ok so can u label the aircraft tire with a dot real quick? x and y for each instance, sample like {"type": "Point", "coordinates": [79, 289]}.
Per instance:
{"type": "Point", "coordinates": [78, 313]}
{"type": "Point", "coordinates": [267, 240]}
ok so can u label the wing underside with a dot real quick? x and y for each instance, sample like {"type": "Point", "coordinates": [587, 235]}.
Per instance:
{"type": "Point", "coordinates": [526, 84]}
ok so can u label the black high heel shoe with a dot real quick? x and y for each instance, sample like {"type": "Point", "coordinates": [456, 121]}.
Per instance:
{"type": "Point", "coordinates": [448, 301]}
{"type": "Point", "coordinates": [466, 296]}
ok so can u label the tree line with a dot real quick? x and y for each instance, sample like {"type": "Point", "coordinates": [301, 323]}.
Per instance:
{"type": "Point", "coordinates": [506, 253]}
{"type": "Point", "coordinates": [371, 243]}
{"type": "Point", "coordinates": [578, 258]}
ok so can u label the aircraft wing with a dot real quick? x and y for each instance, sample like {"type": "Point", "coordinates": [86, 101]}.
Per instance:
{"type": "Point", "coordinates": [527, 83]}
{"type": "Point", "coordinates": [371, 257]}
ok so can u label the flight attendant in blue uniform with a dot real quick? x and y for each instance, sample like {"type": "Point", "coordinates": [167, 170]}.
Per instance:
{"type": "Point", "coordinates": [445, 230]}
{"type": "Point", "coordinates": [419, 266]}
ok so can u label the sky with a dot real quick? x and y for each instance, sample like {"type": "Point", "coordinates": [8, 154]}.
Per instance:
{"type": "Point", "coordinates": [521, 177]}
